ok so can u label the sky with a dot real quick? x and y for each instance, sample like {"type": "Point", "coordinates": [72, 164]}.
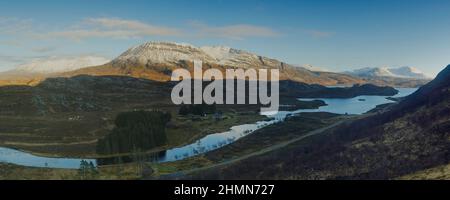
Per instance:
{"type": "Point", "coordinates": [337, 35]}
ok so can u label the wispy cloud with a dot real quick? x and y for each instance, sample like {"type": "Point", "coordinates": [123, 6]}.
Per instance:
{"type": "Point", "coordinates": [319, 34]}
{"type": "Point", "coordinates": [8, 62]}
{"type": "Point", "coordinates": [12, 25]}
{"type": "Point", "coordinates": [113, 28]}
{"type": "Point", "coordinates": [125, 29]}
{"type": "Point", "coordinates": [13, 29]}
{"type": "Point", "coordinates": [117, 28]}
{"type": "Point", "coordinates": [54, 64]}
{"type": "Point", "coordinates": [237, 31]}
{"type": "Point", "coordinates": [44, 49]}
{"type": "Point", "coordinates": [14, 43]}
{"type": "Point", "coordinates": [12, 59]}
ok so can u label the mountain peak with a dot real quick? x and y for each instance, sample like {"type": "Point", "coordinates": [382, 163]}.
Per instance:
{"type": "Point", "coordinates": [172, 53]}
{"type": "Point", "coordinates": [408, 71]}
{"type": "Point", "coordinates": [162, 52]}
{"type": "Point", "coordinates": [162, 44]}
{"type": "Point", "coordinates": [217, 52]}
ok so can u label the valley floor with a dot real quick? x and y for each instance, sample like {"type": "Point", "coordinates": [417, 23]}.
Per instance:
{"type": "Point", "coordinates": [293, 132]}
{"type": "Point", "coordinates": [262, 141]}
{"type": "Point", "coordinates": [69, 143]}
{"type": "Point", "coordinates": [70, 125]}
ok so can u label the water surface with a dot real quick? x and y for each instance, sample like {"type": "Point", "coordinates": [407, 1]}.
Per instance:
{"type": "Point", "coordinates": [357, 105]}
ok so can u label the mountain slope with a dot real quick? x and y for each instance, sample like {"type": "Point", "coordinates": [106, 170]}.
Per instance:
{"type": "Point", "coordinates": [156, 60]}
{"type": "Point", "coordinates": [410, 136]}
{"type": "Point", "coordinates": [58, 65]}
{"type": "Point", "coordinates": [37, 70]}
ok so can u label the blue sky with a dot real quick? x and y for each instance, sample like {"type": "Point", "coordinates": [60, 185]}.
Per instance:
{"type": "Point", "coordinates": [335, 34]}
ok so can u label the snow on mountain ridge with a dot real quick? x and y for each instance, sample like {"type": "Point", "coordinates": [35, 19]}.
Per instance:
{"type": "Point", "coordinates": [409, 71]}
{"type": "Point", "coordinates": [400, 72]}
{"type": "Point", "coordinates": [217, 52]}
{"type": "Point", "coordinates": [169, 53]}
{"type": "Point", "coordinates": [61, 64]}
{"type": "Point", "coordinates": [162, 52]}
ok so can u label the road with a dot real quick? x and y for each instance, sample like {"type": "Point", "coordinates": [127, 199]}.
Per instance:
{"type": "Point", "coordinates": [262, 151]}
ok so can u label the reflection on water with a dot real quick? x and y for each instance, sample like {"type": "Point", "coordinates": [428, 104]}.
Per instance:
{"type": "Point", "coordinates": [213, 141]}
{"type": "Point", "coordinates": [203, 145]}
{"type": "Point", "coordinates": [357, 105]}
{"type": "Point", "coordinates": [218, 140]}
{"type": "Point", "coordinates": [149, 157]}
{"type": "Point", "coordinates": [8, 155]}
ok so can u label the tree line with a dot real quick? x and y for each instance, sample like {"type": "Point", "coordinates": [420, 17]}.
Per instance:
{"type": "Point", "coordinates": [197, 109]}
{"type": "Point", "coordinates": [135, 131]}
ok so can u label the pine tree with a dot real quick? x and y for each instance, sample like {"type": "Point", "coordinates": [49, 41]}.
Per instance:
{"type": "Point", "coordinates": [92, 169]}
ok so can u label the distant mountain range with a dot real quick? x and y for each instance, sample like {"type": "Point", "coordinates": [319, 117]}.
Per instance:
{"type": "Point", "coordinates": [400, 72]}
{"type": "Point", "coordinates": [156, 60]}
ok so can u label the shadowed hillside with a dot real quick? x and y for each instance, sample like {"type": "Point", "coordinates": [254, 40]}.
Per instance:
{"type": "Point", "coordinates": [412, 136]}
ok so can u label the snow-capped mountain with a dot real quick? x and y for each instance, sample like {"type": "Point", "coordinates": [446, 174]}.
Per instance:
{"type": "Point", "coordinates": [409, 72]}
{"type": "Point", "coordinates": [173, 53]}
{"type": "Point", "coordinates": [60, 64]}
{"type": "Point", "coordinates": [156, 60]}
{"type": "Point", "coordinates": [162, 53]}
{"type": "Point", "coordinates": [239, 58]}
{"type": "Point", "coordinates": [400, 72]}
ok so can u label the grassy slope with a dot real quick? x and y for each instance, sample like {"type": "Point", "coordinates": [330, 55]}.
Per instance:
{"type": "Point", "coordinates": [436, 173]}
{"type": "Point", "coordinates": [123, 172]}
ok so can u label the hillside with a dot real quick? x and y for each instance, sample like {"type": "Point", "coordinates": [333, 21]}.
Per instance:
{"type": "Point", "coordinates": [15, 77]}
{"type": "Point", "coordinates": [37, 70]}
{"type": "Point", "coordinates": [53, 65]}
{"type": "Point", "coordinates": [156, 60]}
{"type": "Point", "coordinates": [411, 136]}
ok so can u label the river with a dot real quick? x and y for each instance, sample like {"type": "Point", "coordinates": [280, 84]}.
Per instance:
{"type": "Point", "coordinates": [357, 105]}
